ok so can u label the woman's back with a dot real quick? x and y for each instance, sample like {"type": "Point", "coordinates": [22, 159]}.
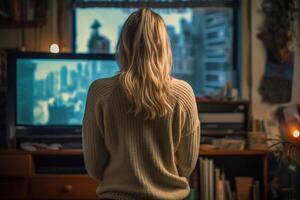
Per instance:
{"type": "Point", "coordinates": [145, 159]}
{"type": "Point", "coordinates": [140, 129]}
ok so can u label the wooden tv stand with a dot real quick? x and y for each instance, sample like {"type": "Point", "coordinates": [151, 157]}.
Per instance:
{"type": "Point", "coordinates": [19, 178]}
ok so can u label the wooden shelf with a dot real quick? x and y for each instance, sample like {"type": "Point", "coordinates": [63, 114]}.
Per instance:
{"type": "Point", "coordinates": [19, 24]}
{"type": "Point", "coordinates": [222, 133]}
{"type": "Point", "coordinates": [58, 181]}
{"type": "Point", "coordinates": [57, 152]}
{"type": "Point", "coordinates": [232, 152]}
{"type": "Point", "coordinates": [42, 152]}
{"type": "Point", "coordinates": [201, 152]}
{"type": "Point", "coordinates": [203, 100]}
{"type": "Point", "coordinates": [77, 176]}
{"type": "Point", "coordinates": [12, 152]}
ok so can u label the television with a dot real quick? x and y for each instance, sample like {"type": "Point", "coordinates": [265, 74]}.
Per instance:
{"type": "Point", "coordinates": [47, 92]}
{"type": "Point", "coordinates": [203, 40]}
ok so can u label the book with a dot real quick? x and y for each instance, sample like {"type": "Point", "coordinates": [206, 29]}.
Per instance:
{"type": "Point", "coordinates": [254, 197]}
{"type": "Point", "coordinates": [257, 189]}
{"type": "Point", "coordinates": [206, 189]}
{"type": "Point", "coordinates": [15, 10]}
{"type": "Point", "coordinates": [243, 187]}
{"type": "Point", "coordinates": [4, 10]}
{"type": "Point", "coordinates": [202, 188]}
{"type": "Point", "coordinates": [193, 194]}
{"type": "Point", "coordinates": [221, 191]}
{"type": "Point", "coordinates": [228, 190]}
{"type": "Point", "coordinates": [216, 182]}
{"type": "Point", "coordinates": [30, 10]}
{"type": "Point", "coordinates": [211, 179]}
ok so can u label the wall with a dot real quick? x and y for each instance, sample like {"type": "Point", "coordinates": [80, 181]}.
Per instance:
{"type": "Point", "coordinates": [39, 39]}
{"type": "Point", "coordinates": [260, 109]}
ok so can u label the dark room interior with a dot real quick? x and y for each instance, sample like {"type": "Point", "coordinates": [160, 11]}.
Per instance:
{"type": "Point", "coordinates": [241, 58]}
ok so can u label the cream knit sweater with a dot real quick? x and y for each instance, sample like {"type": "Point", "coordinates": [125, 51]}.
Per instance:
{"type": "Point", "coordinates": [133, 158]}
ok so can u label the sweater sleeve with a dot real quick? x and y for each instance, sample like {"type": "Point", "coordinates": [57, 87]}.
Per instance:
{"type": "Point", "coordinates": [188, 148]}
{"type": "Point", "coordinates": [187, 152]}
{"type": "Point", "coordinates": [94, 150]}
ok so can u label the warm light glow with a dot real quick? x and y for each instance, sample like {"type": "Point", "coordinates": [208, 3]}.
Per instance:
{"type": "Point", "coordinates": [54, 48]}
{"type": "Point", "coordinates": [296, 133]}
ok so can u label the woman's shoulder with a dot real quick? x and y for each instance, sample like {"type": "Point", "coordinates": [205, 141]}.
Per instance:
{"type": "Point", "coordinates": [182, 91]}
{"type": "Point", "coordinates": [104, 86]}
{"type": "Point", "coordinates": [181, 86]}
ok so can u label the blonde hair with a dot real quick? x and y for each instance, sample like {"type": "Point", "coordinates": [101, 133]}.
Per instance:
{"type": "Point", "coordinates": [145, 59]}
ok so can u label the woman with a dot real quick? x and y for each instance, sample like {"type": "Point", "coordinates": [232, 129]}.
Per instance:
{"type": "Point", "coordinates": [141, 129]}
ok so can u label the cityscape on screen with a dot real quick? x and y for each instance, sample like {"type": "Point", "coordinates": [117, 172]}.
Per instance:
{"type": "Point", "coordinates": [201, 41]}
{"type": "Point", "coordinates": [53, 92]}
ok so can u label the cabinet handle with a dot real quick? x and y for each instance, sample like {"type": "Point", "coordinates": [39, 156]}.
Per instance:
{"type": "Point", "coordinates": [68, 188]}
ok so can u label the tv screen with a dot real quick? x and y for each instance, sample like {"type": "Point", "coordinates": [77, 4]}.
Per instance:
{"type": "Point", "coordinates": [51, 90]}
{"type": "Point", "coordinates": [201, 40]}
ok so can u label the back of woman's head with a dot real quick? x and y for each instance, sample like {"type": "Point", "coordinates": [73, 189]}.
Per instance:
{"type": "Point", "coordinates": [145, 59]}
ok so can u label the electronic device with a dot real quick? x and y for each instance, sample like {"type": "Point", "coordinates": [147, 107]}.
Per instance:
{"type": "Point", "coordinates": [47, 94]}
{"type": "Point", "coordinates": [28, 146]}
{"type": "Point", "coordinates": [221, 118]}
{"type": "Point", "coordinates": [202, 40]}
{"type": "Point", "coordinates": [289, 122]}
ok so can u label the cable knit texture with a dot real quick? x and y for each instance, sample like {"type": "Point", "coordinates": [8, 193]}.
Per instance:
{"type": "Point", "coordinates": [133, 158]}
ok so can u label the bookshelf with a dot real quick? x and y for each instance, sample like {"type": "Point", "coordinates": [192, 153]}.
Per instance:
{"type": "Point", "coordinates": [19, 24]}
{"type": "Point", "coordinates": [233, 163]}
{"type": "Point", "coordinates": [231, 152]}
{"type": "Point", "coordinates": [22, 14]}
{"type": "Point", "coordinates": [224, 132]}
{"type": "Point", "coordinates": [58, 152]}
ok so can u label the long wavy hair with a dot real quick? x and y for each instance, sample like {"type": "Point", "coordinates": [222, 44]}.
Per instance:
{"type": "Point", "coordinates": [145, 58]}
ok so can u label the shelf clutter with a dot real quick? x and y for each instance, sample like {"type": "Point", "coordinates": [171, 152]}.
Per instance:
{"type": "Point", "coordinates": [230, 174]}
{"type": "Point", "coordinates": [215, 185]}
{"type": "Point", "coordinates": [22, 14]}
{"type": "Point", "coordinates": [233, 161]}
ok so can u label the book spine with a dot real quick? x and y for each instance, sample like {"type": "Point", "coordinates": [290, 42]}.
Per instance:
{"type": "Point", "coordinates": [202, 190]}
{"type": "Point", "coordinates": [223, 180]}
{"type": "Point", "coordinates": [228, 190]}
{"type": "Point", "coordinates": [211, 180]}
{"type": "Point", "coordinates": [217, 178]}
{"type": "Point", "coordinates": [254, 197]}
{"type": "Point", "coordinates": [221, 195]}
{"type": "Point", "coordinates": [206, 189]}
{"type": "Point", "coordinates": [30, 10]}
{"type": "Point", "coordinates": [257, 184]}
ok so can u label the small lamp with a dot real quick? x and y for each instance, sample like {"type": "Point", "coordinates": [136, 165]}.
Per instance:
{"type": "Point", "coordinates": [54, 48]}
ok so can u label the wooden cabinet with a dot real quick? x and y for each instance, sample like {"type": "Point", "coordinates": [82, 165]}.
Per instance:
{"type": "Point", "coordinates": [63, 187]}
{"type": "Point", "coordinates": [19, 178]}
{"type": "Point", "coordinates": [22, 178]}
{"type": "Point", "coordinates": [15, 172]}
{"type": "Point", "coordinates": [14, 188]}
{"type": "Point", "coordinates": [14, 164]}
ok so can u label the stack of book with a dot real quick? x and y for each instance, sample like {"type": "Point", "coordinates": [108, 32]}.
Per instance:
{"type": "Point", "coordinates": [27, 10]}
{"type": "Point", "coordinates": [215, 186]}
{"type": "Point", "coordinates": [194, 185]}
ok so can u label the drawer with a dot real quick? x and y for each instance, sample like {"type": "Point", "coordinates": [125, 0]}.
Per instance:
{"type": "Point", "coordinates": [15, 165]}
{"type": "Point", "coordinates": [55, 187]}
{"type": "Point", "coordinates": [14, 188]}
